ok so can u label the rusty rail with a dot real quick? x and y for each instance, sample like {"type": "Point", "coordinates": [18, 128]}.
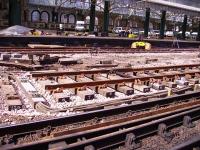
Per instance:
{"type": "Point", "coordinates": [65, 50]}
{"type": "Point", "coordinates": [30, 128]}
{"type": "Point", "coordinates": [113, 70]}
{"type": "Point", "coordinates": [118, 81]}
{"type": "Point", "coordinates": [93, 132]}
{"type": "Point", "coordinates": [21, 65]}
{"type": "Point", "coordinates": [136, 133]}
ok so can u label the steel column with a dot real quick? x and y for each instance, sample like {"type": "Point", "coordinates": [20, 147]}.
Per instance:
{"type": "Point", "coordinates": [14, 12]}
{"type": "Point", "coordinates": [106, 17]}
{"type": "Point", "coordinates": [162, 24]}
{"type": "Point", "coordinates": [92, 15]}
{"type": "Point", "coordinates": [146, 23]}
{"type": "Point", "coordinates": [184, 27]}
{"type": "Point", "coordinates": [198, 36]}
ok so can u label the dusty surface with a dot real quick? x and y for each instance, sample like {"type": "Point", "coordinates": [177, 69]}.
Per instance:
{"type": "Point", "coordinates": [131, 60]}
{"type": "Point", "coordinates": [137, 59]}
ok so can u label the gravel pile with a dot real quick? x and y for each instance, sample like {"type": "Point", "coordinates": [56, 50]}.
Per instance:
{"type": "Point", "coordinates": [15, 30]}
{"type": "Point", "coordinates": [182, 134]}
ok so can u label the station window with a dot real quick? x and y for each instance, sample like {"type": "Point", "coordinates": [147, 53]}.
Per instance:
{"type": "Point", "coordinates": [45, 16]}
{"type": "Point", "coordinates": [35, 16]}
{"type": "Point", "coordinates": [71, 19]}
{"type": "Point", "coordinates": [64, 18]}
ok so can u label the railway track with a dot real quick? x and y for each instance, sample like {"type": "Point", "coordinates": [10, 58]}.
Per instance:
{"type": "Point", "coordinates": [116, 69]}
{"type": "Point", "coordinates": [74, 50]}
{"type": "Point", "coordinates": [43, 134]}
{"type": "Point", "coordinates": [190, 144]}
{"type": "Point", "coordinates": [124, 80]}
{"type": "Point", "coordinates": [129, 100]}
{"type": "Point", "coordinates": [130, 137]}
{"type": "Point", "coordinates": [97, 127]}
{"type": "Point", "coordinates": [116, 102]}
{"type": "Point", "coordinates": [119, 70]}
{"type": "Point", "coordinates": [57, 128]}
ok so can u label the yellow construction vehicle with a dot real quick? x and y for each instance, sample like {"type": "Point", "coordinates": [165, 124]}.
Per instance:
{"type": "Point", "coordinates": [141, 44]}
{"type": "Point", "coordinates": [132, 36]}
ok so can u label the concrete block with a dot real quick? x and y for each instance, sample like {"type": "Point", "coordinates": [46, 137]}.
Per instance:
{"type": "Point", "coordinates": [107, 92]}
{"type": "Point", "coordinates": [157, 86]}
{"type": "Point", "coordinates": [126, 90]}
{"type": "Point", "coordinates": [142, 88]}
{"type": "Point", "coordinates": [85, 94]}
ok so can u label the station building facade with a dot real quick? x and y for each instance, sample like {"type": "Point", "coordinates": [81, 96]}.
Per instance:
{"type": "Point", "coordinates": [41, 14]}
{"type": "Point", "coordinates": [45, 14]}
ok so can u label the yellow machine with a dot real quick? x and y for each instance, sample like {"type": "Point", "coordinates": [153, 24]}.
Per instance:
{"type": "Point", "coordinates": [141, 44]}
{"type": "Point", "coordinates": [132, 36]}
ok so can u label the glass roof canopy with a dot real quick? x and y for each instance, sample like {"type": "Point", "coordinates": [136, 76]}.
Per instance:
{"type": "Point", "coordinates": [193, 3]}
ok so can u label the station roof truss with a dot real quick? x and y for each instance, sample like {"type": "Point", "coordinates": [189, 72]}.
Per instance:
{"type": "Point", "coordinates": [172, 7]}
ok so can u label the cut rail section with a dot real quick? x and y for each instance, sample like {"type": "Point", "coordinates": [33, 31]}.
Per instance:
{"type": "Point", "coordinates": [118, 81]}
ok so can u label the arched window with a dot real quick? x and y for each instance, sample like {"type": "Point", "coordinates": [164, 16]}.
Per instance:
{"type": "Point", "coordinates": [45, 16]}
{"type": "Point", "coordinates": [71, 19]}
{"type": "Point", "coordinates": [87, 20]}
{"type": "Point", "coordinates": [35, 16]}
{"type": "Point", "coordinates": [64, 18]}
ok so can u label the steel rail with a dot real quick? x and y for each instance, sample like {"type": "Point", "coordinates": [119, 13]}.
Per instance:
{"type": "Point", "coordinates": [91, 49]}
{"type": "Point", "coordinates": [71, 50]}
{"type": "Point", "coordinates": [20, 65]}
{"type": "Point", "coordinates": [188, 145]}
{"type": "Point", "coordinates": [140, 131]}
{"type": "Point", "coordinates": [118, 81]}
{"type": "Point", "coordinates": [27, 128]}
{"type": "Point", "coordinates": [86, 52]}
{"type": "Point", "coordinates": [115, 102]}
{"type": "Point", "coordinates": [99, 131]}
{"type": "Point", "coordinates": [86, 48]}
{"type": "Point", "coordinates": [113, 70]}
{"type": "Point", "coordinates": [118, 102]}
